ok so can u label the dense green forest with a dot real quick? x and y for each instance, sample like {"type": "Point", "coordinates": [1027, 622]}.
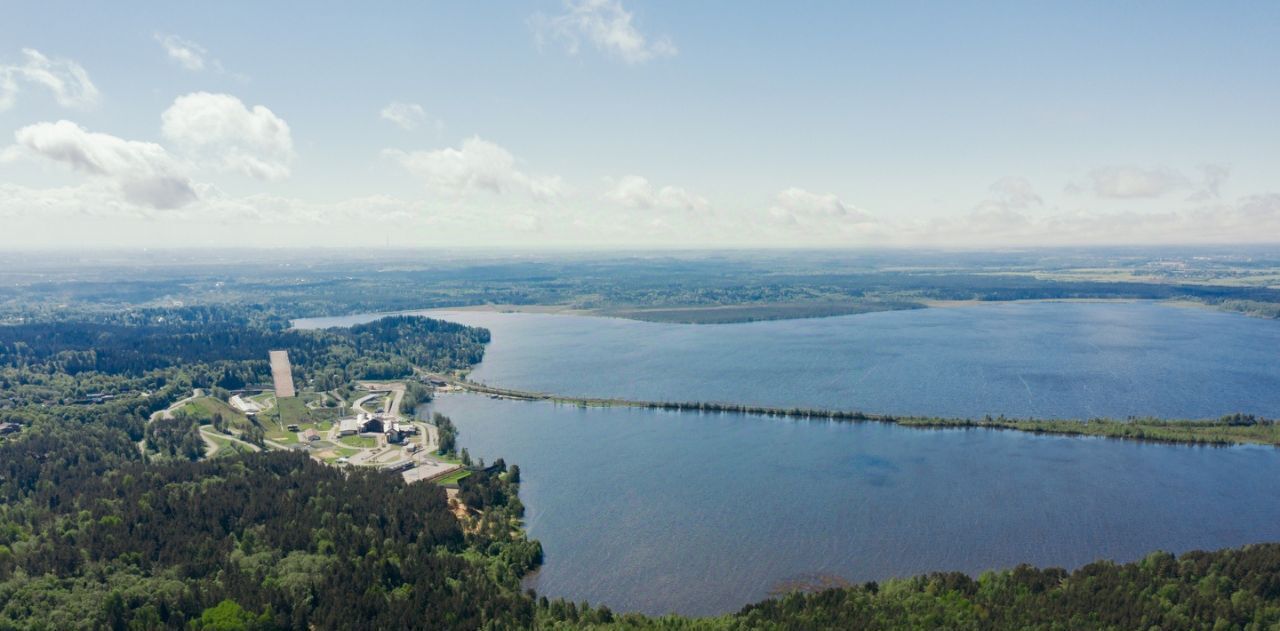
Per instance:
{"type": "Point", "coordinates": [63, 362]}
{"type": "Point", "coordinates": [274, 540]}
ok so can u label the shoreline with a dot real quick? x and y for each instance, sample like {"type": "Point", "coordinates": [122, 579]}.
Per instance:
{"type": "Point", "coordinates": [1229, 430]}
{"type": "Point", "coordinates": [831, 310]}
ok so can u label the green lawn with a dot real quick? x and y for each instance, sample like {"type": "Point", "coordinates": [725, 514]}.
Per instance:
{"type": "Point", "coordinates": [265, 399]}
{"type": "Point", "coordinates": [342, 452]}
{"type": "Point", "coordinates": [285, 437]}
{"type": "Point", "coordinates": [204, 408]}
{"type": "Point", "coordinates": [294, 410]}
{"type": "Point", "coordinates": [362, 442]}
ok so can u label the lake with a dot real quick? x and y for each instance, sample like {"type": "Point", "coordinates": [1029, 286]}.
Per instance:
{"type": "Point", "coordinates": [1063, 360]}
{"type": "Point", "coordinates": [654, 511]}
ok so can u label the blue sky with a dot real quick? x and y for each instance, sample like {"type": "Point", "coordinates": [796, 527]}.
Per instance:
{"type": "Point", "coordinates": [597, 123]}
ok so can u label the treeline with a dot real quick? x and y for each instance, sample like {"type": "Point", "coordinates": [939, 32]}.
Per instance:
{"type": "Point", "coordinates": [1232, 429]}
{"type": "Point", "coordinates": [273, 540]}
{"type": "Point", "coordinates": [73, 348]}
{"type": "Point", "coordinates": [66, 362]}
{"type": "Point", "coordinates": [1229, 589]}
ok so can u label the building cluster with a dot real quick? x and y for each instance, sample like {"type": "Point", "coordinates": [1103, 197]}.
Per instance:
{"type": "Point", "coordinates": [9, 428]}
{"type": "Point", "coordinates": [377, 423]}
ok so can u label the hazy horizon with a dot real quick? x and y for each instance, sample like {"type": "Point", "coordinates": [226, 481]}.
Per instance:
{"type": "Point", "coordinates": [600, 125]}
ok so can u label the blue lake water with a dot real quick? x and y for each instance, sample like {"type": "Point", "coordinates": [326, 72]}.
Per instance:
{"type": "Point", "coordinates": [1065, 360]}
{"type": "Point", "coordinates": [657, 511]}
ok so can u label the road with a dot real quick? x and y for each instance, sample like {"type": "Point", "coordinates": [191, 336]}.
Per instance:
{"type": "Point", "coordinates": [167, 413]}
{"type": "Point", "coordinates": [395, 388]}
{"type": "Point", "coordinates": [207, 436]}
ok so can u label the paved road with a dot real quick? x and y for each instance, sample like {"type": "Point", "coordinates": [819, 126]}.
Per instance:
{"type": "Point", "coordinates": [206, 435]}
{"type": "Point", "coordinates": [395, 388]}
{"type": "Point", "coordinates": [167, 413]}
{"type": "Point", "coordinates": [212, 445]}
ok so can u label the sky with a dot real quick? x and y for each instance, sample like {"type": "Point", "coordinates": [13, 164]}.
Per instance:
{"type": "Point", "coordinates": [618, 123]}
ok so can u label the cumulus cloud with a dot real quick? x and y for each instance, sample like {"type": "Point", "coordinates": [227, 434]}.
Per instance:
{"type": "Point", "coordinates": [798, 206]}
{"type": "Point", "coordinates": [407, 116]}
{"type": "Point", "coordinates": [476, 165]}
{"type": "Point", "coordinates": [635, 191]}
{"type": "Point", "coordinates": [1130, 182]}
{"type": "Point", "coordinates": [65, 79]}
{"type": "Point", "coordinates": [218, 129]}
{"type": "Point", "coordinates": [606, 25]}
{"type": "Point", "coordinates": [143, 172]}
{"type": "Point", "coordinates": [185, 53]}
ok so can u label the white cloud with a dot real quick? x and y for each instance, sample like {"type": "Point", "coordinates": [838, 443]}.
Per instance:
{"type": "Point", "coordinates": [185, 53]}
{"type": "Point", "coordinates": [192, 56]}
{"type": "Point", "coordinates": [65, 79]}
{"type": "Point", "coordinates": [476, 165]}
{"type": "Point", "coordinates": [1214, 176]}
{"type": "Point", "coordinates": [1013, 192]}
{"type": "Point", "coordinates": [1009, 197]}
{"type": "Point", "coordinates": [408, 116]}
{"type": "Point", "coordinates": [635, 191]}
{"type": "Point", "coordinates": [142, 172]}
{"type": "Point", "coordinates": [218, 129]}
{"type": "Point", "coordinates": [1129, 182]}
{"type": "Point", "coordinates": [798, 206]}
{"type": "Point", "coordinates": [606, 25]}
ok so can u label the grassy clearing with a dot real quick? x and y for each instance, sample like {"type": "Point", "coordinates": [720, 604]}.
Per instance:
{"type": "Point", "coordinates": [360, 442]}
{"type": "Point", "coordinates": [285, 437]}
{"type": "Point", "coordinates": [265, 399]}
{"type": "Point", "coordinates": [204, 408]}
{"type": "Point", "coordinates": [294, 410]}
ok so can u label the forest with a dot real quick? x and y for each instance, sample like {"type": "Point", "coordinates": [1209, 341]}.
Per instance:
{"type": "Point", "coordinates": [62, 362]}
